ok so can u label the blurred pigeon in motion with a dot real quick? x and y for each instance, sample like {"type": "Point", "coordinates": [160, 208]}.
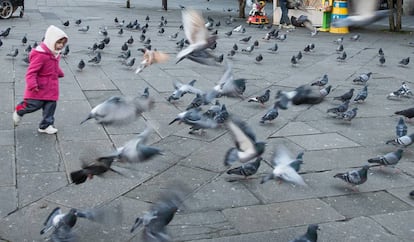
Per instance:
{"type": "Point", "coordinates": [389, 159]}
{"type": "Point", "coordinates": [404, 61]}
{"type": "Point", "coordinates": [282, 168]}
{"type": "Point", "coordinates": [342, 57]}
{"type": "Point", "coordinates": [238, 28]}
{"type": "Point", "coordinates": [271, 114]}
{"type": "Point", "coordinates": [13, 53]}
{"type": "Point", "coordinates": [363, 78]}
{"type": "Point", "coordinates": [346, 96]}
{"type": "Point", "coordinates": [161, 214]}
{"type": "Point", "coordinates": [304, 94]}
{"type": "Point", "coordinates": [135, 150]}
{"type": "Point", "coordinates": [198, 36]}
{"type": "Point", "coordinates": [381, 60]}
{"type": "Point", "coordinates": [247, 169]}
{"type": "Point", "coordinates": [193, 114]}
{"type": "Point", "coordinates": [354, 177]}
{"type": "Point", "coordinates": [321, 81]}
{"type": "Point", "coordinates": [407, 113]}
{"type": "Point", "coordinates": [274, 48]}
{"type": "Point", "coordinates": [228, 86]}
{"type": "Point", "coordinates": [402, 141]}
{"type": "Point", "coordinates": [202, 124]}
{"type": "Point", "coordinates": [247, 147]}
{"type": "Point", "coordinates": [355, 37]}
{"type": "Point", "coordinates": [361, 95]}
{"type": "Point", "coordinates": [5, 33]}
{"type": "Point", "coordinates": [120, 110]}
{"type": "Point", "coordinates": [222, 116]}
{"type": "Point", "coordinates": [1, 43]}
{"type": "Point", "coordinates": [340, 48]}
{"type": "Point", "coordinates": [365, 15]}
{"type": "Point", "coordinates": [348, 115]}
{"type": "Point", "coordinates": [181, 89]}
{"type": "Point", "coordinates": [339, 41]}
{"type": "Point", "coordinates": [81, 65]}
{"type": "Point", "coordinates": [65, 51]}
{"type": "Point", "coordinates": [262, 99]}
{"type": "Point", "coordinates": [403, 91]}
{"type": "Point", "coordinates": [151, 57]}
{"type": "Point", "coordinates": [84, 29]}
{"type": "Point", "coordinates": [311, 234]}
{"type": "Point", "coordinates": [339, 109]}
{"type": "Point", "coordinates": [96, 59]}
{"type": "Point", "coordinates": [401, 128]}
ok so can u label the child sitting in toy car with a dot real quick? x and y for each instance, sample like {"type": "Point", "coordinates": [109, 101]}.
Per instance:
{"type": "Point", "coordinates": [257, 8]}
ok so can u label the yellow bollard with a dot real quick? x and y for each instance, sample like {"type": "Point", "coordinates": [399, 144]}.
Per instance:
{"type": "Point", "coordinates": [339, 11]}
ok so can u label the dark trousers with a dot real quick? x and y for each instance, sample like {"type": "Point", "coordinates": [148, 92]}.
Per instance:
{"type": "Point", "coordinates": [285, 18]}
{"type": "Point", "coordinates": [31, 105]}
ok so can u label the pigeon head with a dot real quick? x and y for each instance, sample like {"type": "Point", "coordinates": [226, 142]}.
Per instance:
{"type": "Point", "coordinates": [260, 148]}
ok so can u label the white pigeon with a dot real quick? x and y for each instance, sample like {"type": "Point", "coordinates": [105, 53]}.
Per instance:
{"type": "Point", "coordinates": [238, 28]}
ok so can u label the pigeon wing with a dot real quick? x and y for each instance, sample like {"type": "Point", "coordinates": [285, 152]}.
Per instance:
{"type": "Point", "coordinates": [243, 135]}
{"type": "Point", "coordinates": [290, 175]}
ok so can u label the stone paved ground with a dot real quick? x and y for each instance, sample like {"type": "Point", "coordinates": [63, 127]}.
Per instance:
{"type": "Point", "coordinates": [35, 168]}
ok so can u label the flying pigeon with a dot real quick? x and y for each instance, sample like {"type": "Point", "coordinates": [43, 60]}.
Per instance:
{"type": "Point", "coordinates": [247, 169]}
{"type": "Point", "coordinates": [311, 234]}
{"type": "Point", "coordinates": [389, 159]}
{"type": "Point", "coordinates": [182, 89]}
{"type": "Point", "coordinates": [161, 214]}
{"type": "Point", "coordinates": [401, 128]}
{"type": "Point", "coordinates": [282, 168]}
{"type": "Point", "coordinates": [247, 147]}
{"type": "Point", "coordinates": [262, 99]}
{"type": "Point", "coordinates": [402, 141]}
{"type": "Point", "coordinates": [346, 96]}
{"type": "Point", "coordinates": [228, 86]}
{"type": "Point", "coordinates": [361, 95]}
{"type": "Point", "coordinates": [354, 177]}
{"type": "Point", "coordinates": [151, 57]}
{"type": "Point", "coordinates": [363, 78]}
{"type": "Point", "coordinates": [120, 109]}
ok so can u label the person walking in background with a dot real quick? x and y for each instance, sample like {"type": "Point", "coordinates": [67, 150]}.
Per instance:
{"type": "Point", "coordinates": [42, 80]}
{"type": "Point", "coordinates": [284, 19]}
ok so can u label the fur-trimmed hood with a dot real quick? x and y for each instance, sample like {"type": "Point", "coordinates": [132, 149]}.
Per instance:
{"type": "Point", "coordinates": [52, 35]}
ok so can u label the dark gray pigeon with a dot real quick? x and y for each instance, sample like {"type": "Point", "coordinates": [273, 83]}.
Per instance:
{"type": "Point", "coordinates": [274, 48]}
{"type": "Point", "coordinates": [361, 95]}
{"type": "Point", "coordinates": [340, 48]}
{"type": "Point", "coordinates": [382, 60]}
{"type": "Point", "coordinates": [262, 99]}
{"type": "Point", "coordinates": [354, 177]}
{"type": "Point", "coordinates": [271, 114]}
{"type": "Point", "coordinates": [96, 59]}
{"type": "Point", "coordinates": [401, 128]}
{"type": "Point", "coordinates": [402, 141]}
{"type": "Point", "coordinates": [304, 94]}
{"type": "Point", "coordinates": [342, 57]}
{"type": "Point", "coordinates": [339, 109]}
{"type": "Point", "coordinates": [5, 33]}
{"type": "Point", "coordinates": [247, 147]}
{"type": "Point", "coordinates": [389, 159]}
{"type": "Point", "coordinates": [81, 65]}
{"type": "Point", "coordinates": [404, 61]}
{"type": "Point", "coordinates": [247, 169]}
{"type": "Point", "coordinates": [89, 169]}
{"type": "Point", "coordinates": [407, 113]}
{"type": "Point", "coordinates": [311, 234]}
{"type": "Point", "coordinates": [346, 96]}
{"type": "Point", "coordinates": [363, 78]}
{"type": "Point", "coordinates": [348, 115]}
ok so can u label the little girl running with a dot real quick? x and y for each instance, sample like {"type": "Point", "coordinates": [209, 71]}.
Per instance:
{"type": "Point", "coordinates": [42, 80]}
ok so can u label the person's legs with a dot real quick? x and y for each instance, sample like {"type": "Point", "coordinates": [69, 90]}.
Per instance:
{"type": "Point", "coordinates": [26, 106]}
{"type": "Point", "coordinates": [284, 19]}
{"type": "Point", "coordinates": [49, 108]}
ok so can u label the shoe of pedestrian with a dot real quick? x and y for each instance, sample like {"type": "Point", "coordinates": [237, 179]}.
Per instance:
{"type": "Point", "coordinates": [49, 130]}
{"type": "Point", "coordinates": [289, 26]}
{"type": "Point", "coordinates": [282, 26]}
{"type": "Point", "coordinates": [16, 118]}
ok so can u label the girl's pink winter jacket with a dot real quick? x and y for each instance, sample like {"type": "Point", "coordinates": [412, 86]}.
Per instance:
{"type": "Point", "coordinates": [42, 77]}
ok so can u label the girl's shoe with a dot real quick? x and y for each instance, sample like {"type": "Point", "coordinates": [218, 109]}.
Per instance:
{"type": "Point", "coordinates": [49, 130]}
{"type": "Point", "coordinates": [16, 118]}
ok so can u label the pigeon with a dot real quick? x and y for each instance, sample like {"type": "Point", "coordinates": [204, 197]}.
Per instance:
{"type": "Point", "coordinates": [342, 57]}
{"type": "Point", "coordinates": [106, 40]}
{"type": "Point", "coordinates": [380, 52]}
{"type": "Point", "coordinates": [94, 47]}
{"type": "Point", "coordinates": [281, 37]}
{"type": "Point", "coordinates": [121, 31]}
{"type": "Point", "coordinates": [389, 159]}
{"type": "Point", "coordinates": [367, 16]}
{"type": "Point", "coordinates": [348, 115]}
{"type": "Point", "coordinates": [363, 78]}
{"type": "Point", "coordinates": [96, 59]}
{"type": "Point", "coordinates": [119, 110]}
{"type": "Point", "coordinates": [403, 91]}
{"type": "Point", "coordinates": [273, 48]}
{"type": "Point", "coordinates": [304, 94]}
{"type": "Point", "coordinates": [182, 89]}
{"type": "Point", "coordinates": [173, 36]}
{"type": "Point", "coordinates": [307, 49]}
{"type": "Point", "coordinates": [321, 82]}
{"type": "Point", "coordinates": [13, 53]}
{"type": "Point", "coordinates": [282, 168]}
{"type": "Point", "coordinates": [228, 86]}
{"type": "Point", "coordinates": [95, 168]}
{"type": "Point", "coordinates": [5, 33]}
{"type": "Point", "coordinates": [339, 109]}
{"type": "Point", "coordinates": [125, 55]}
{"type": "Point", "coordinates": [346, 96]}
{"type": "Point", "coordinates": [340, 48]}
{"type": "Point", "coordinates": [311, 234]}
{"type": "Point", "coordinates": [220, 58]}
{"type": "Point", "coordinates": [404, 61]}
{"type": "Point", "coordinates": [81, 65]}
{"type": "Point", "coordinates": [129, 63]}
{"type": "Point", "coordinates": [193, 114]}
{"type": "Point", "coordinates": [1, 43]}
{"type": "Point", "coordinates": [407, 113]}
{"type": "Point", "coordinates": [103, 31]}
{"type": "Point", "coordinates": [84, 29]}
{"type": "Point", "coordinates": [28, 49]}
{"type": "Point", "coordinates": [271, 114]}
{"type": "Point", "coordinates": [66, 51]}
{"type": "Point", "coordinates": [229, 33]}
{"type": "Point", "coordinates": [339, 41]}
{"type": "Point", "coordinates": [259, 58]}
{"type": "Point", "coordinates": [247, 147]}
{"type": "Point", "coordinates": [196, 102]}
{"type": "Point", "coordinates": [124, 47]}
{"type": "Point", "coordinates": [354, 177]}
{"type": "Point", "coordinates": [262, 99]}
{"type": "Point", "coordinates": [361, 95]}
{"type": "Point", "coordinates": [101, 45]}
{"type": "Point", "coordinates": [196, 33]}
{"type": "Point", "coordinates": [161, 214]}
{"type": "Point", "coordinates": [151, 57]}
{"type": "Point", "coordinates": [213, 110]}
{"type": "Point", "coordinates": [325, 91]}
{"type": "Point", "coordinates": [238, 28]}
{"type": "Point", "coordinates": [202, 124]}
{"type": "Point", "coordinates": [231, 53]}
{"type": "Point", "coordinates": [382, 60]}
{"type": "Point", "coordinates": [355, 37]}
{"type": "Point", "coordinates": [24, 40]}
{"type": "Point", "coordinates": [235, 47]}
{"type": "Point", "coordinates": [247, 169]}
{"type": "Point", "coordinates": [78, 22]}
{"type": "Point", "coordinates": [401, 128]}
{"type": "Point", "coordinates": [135, 150]}
{"type": "Point", "coordinates": [66, 23]}
{"type": "Point", "coordinates": [249, 49]}
{"type": "Point", "coordinates": [246, 39]}
{"type": "Point", "coordinates": [26, 60]}
{"type": "Point", "coordinates": [299, 56]}
{"type": "Point", "coordinates": [256, 43]}
{"type": "Point", "coordinates": [402, 141]}
{"type": "Point", "coordinates": [293, 60]}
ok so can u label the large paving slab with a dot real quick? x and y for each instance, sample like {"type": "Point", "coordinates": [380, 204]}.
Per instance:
{"type": "Point", "coordinates": [399, 223]}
